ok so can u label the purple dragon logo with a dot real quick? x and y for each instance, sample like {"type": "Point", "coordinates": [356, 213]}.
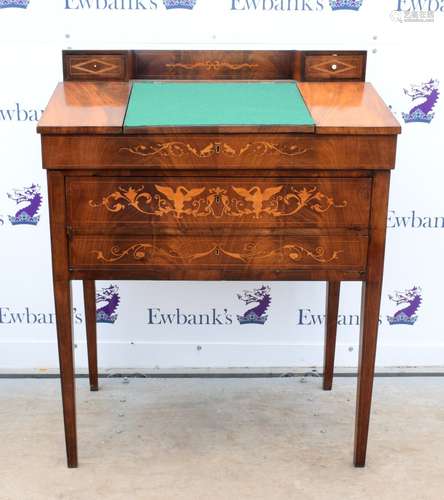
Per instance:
{"type": "Point", "coordinates": [107, 301]}
{"type": "Point", "coordinates": [346, 4]}
{"type": "Point", "coordinates": [406, 315]}
{"type": "Point", "coordinates": [428, 94]}
{"type": "Point", "coordinates": [28, 213]}
{"type": "Point", "coordinates": [256, 314]}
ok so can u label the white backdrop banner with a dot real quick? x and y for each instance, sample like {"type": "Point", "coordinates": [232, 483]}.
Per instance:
{"type": "Point", "coordinates": [186, 324]}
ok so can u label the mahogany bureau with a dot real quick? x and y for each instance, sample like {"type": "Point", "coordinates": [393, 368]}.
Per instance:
{"type": "Point", "coordinates": [254, 200]}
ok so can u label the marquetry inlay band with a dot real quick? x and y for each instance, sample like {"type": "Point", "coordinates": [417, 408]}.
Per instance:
{"type": "Point", "coordinates": [214, 65]}
{"type": "Point", "coordinates": [333, 67]}
{"type": "Point", "coordinates": [176, 149]}
{"type": "Point", "coordinates": [94, 66]}
{"type": "Point", "coordinates": [217, 202]}
{"type": "Point", "coordinates": [148, 252]}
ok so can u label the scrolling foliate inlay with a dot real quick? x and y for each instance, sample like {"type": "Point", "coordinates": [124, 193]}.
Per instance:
{"type": "Point", "coordinates": [148, 252]}
{"type": "Point", "coordinates": [177, 149]}
{"type": "Point", "coordinates": [214, 65]}
{"type": "Point", "coordinates": [217, 202]}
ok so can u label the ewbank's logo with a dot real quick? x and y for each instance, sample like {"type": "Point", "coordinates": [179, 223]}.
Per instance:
{"type": "Point", "coordinates": [107, 302]}
{"type": "Point", "coordinates": [427, 94]}
{"type": "Point", "coordinates": [14, 4]}
{"type": "Point", "coordinates": [179, 4]}
{"type": "Point", "coordinates": [406, 315]}
{"type": "Point", "coordinates": [130, 5]}
{"type": "Point", "coordinates": [255, 315]}
{"type": "Point", "coordinates": [416, 11]}
{"type": "Point", "coordinates": [31, 201]}
{"type": "Point", "coordinates": [346, 4]}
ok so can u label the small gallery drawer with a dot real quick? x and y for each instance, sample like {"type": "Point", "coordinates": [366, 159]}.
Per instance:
{"type": "Point", "coordinates": [320, 66]}
{"type": "Point", "coordinates": [182, 202]}
{"type": "Point", "coordinates": [99, 66]}
{"type": "Point", "coordinates": [219, 252]}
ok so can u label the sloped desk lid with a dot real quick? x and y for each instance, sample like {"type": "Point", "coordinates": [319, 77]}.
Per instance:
{"type": "Point", "coordinates": [265, 105]}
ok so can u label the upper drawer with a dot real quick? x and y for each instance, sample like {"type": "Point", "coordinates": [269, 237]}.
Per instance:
{"type": "Point", "coordinates": [325, 66]}
{"type": "Point", "coordinates": [309, 202]}
{"type": "Point", "coordinates": [219, 151]}
{"type": "Point", "coordinates": [101, 66]}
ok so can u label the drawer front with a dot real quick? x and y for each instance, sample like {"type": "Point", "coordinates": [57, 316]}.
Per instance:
{"type": "Point", "coordinates": [95, 67]}
{"type": "Point", "coordinates": [224, 151]}
{"type": "Point", "coordinates": [334, 66]}
{"type": "Point", "coordinates": [223, 252]}
{"type": "Point", "coordinates": [339, 203]}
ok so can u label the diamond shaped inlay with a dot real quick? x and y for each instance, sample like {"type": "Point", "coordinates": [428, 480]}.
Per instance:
{"type": "Point", "coordinates": [333, 66]}
{"type": "Point", "coordinates": [95, 66]}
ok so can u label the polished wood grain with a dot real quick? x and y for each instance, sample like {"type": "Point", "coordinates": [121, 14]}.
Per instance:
{"type": "Point", "coordinates": [213, 64]}
{"type": "Point", "coordinates": [371, 300]}
{"type": "Point", "coordinates": [86, 107]}
{"type": "Point", "coordinates": [348, 108]}
{"type": "Point", "coordinates": [137, 202]}
{"type": "Point", "coordinates": [201, 152]}
{"type": "Point", "coordinates": [218, 203]}
{"type": "Point", "coordinates": [216, 274]}
{"type": "Point", "coordinates": [101, 65]}
{"type": "Point", "coordinates": [89, 294]}
{"type": "Point", "coordinates": [323, 66]}
{"type": "Point", "coordinates": [331, 325]}
{"type": "Point", "coordinates": [223, 251]}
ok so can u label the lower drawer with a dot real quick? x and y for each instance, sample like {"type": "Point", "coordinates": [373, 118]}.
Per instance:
{"type": "Point", "coordinates": [219, 252]}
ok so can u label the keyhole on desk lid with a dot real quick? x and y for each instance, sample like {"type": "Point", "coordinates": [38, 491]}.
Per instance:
{"type": "Point", "coordinates": [217, 148]}
{"type": "Point", "coordinates": [217, 251]}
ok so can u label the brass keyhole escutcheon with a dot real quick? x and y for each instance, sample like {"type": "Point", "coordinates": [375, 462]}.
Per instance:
{"type": "Point", "coordinates": [217, 147]}
{"type": "Point", "coordinates": [217, 251]}
{"type": "Point", "coordinates": [217, 198]}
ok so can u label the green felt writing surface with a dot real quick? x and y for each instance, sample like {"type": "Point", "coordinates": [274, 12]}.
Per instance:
{"type": "Point", "coordinates": [201, 104]}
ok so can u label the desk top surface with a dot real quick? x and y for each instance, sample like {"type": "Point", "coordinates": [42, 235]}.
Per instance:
{"type": "Point", "coordinates": [123, 108]}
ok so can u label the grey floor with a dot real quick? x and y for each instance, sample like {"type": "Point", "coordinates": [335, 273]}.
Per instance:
{"type": "Point", "coordinates": [224, 439]}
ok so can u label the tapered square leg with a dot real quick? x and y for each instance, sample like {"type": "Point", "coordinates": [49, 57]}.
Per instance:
{"type": "Point", "coordinates": [89, 295]}
{"type": "Point", "coordinates": [367, 354]}
{"type": "Point", "coordinates": [371, 300]}
{"type": "Point", "coordinates": [62, 294]}
{"type": "Point", "coordinates": [63, 308]}
{"type": "Point", "coordinates": [331, 326]}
